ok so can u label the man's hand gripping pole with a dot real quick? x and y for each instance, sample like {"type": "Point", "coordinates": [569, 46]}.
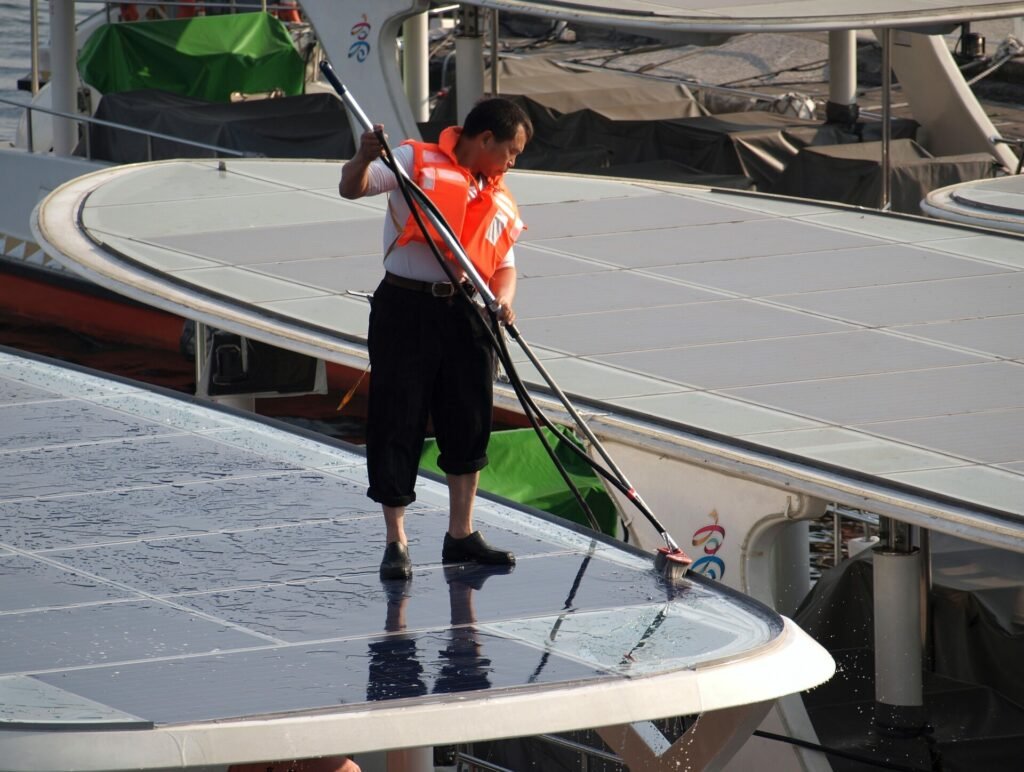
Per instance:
{"type": "Point", "coordinates": [426, 205]}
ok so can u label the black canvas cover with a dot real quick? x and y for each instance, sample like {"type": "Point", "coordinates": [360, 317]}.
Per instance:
{"type": "Point", "coordinates": [646, 125]}
{"type": "Point", "coordinates": [307, 126]}
{"type": "Point", "coordinates": [853, 173]}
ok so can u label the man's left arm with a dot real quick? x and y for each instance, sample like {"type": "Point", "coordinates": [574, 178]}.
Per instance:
{"type": "Point", "coordinates": [503, 285]}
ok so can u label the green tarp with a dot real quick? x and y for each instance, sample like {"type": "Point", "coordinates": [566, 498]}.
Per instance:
{"type": "Point", "coordinates": [207, 57]}
{"type": "Point", "coordinates": [520, 469]}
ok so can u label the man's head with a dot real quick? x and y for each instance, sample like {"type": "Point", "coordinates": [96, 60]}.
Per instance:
{"type": "Point", "coordinates": [494, 133]}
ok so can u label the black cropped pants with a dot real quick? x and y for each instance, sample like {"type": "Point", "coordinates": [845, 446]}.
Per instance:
{"type": "Point", "coordinates": [429, 357]}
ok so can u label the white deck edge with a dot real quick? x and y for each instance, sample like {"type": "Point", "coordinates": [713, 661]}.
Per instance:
{"type": "Point", "coordinates": [581, 12]}
{"type": "Point", "coordinates": [791, 662]}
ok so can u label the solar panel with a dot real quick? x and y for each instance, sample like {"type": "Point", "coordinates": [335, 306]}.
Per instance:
{"type": "Point", "coordinates": [168, 564]}
{"type": "Point", "coordinates": [723, 311]}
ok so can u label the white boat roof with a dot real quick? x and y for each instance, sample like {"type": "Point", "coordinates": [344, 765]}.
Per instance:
{"type": "Point", "coordinates": [996, 203]}
{"type": "Point", "coordinates": [761, 15]}
{"type": "Point", "coordinates": [871, 359]}
{"type": "Point", "coordinates": [185, 585]}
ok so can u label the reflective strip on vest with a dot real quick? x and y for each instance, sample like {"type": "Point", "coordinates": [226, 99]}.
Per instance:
{"type": "Point", "coordinates": [505, 203]}
{"type": "Point", "coordinates": [496, 227]}
{"type": "Point", "coordinates": [435, 157]}
{"type": "Point", "coordinates": [431, 174]}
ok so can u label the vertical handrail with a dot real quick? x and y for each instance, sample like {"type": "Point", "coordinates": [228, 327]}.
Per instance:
{"type": "Point", "coordinates": [31, 134]}
{"type": "Point", "coordinates": [886, 203]}
{"type": "Point", "coordinates": [494, 52]}
{"type": "Point", "coordinates": [35, 47]}
{"type": "Point", "coordinates": [837, 538]}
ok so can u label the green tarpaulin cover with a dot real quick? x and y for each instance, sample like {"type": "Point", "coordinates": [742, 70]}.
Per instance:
{"type": "Point", "coordinates": [520, 469]}
{"type": "Point", "coordinates": [206, 57]}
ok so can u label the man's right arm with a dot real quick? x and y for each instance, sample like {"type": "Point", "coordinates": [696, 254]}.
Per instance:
{"type": "Point", "coordinates": [355, 177]}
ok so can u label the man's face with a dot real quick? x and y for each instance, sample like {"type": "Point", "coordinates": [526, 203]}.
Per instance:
{"type": "Point", "coordinates": [497, 157]}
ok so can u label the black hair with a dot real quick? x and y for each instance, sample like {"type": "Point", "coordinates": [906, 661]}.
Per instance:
{"type": "Point", "coordinates": [500, 116]}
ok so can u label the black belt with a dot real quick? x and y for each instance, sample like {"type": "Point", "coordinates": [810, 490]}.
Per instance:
{"type": "Point", "coordinates": [437, 289]}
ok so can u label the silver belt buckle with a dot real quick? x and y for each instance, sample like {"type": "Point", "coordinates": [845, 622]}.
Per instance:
{"type": "Point", "coordinates": [442, 289]}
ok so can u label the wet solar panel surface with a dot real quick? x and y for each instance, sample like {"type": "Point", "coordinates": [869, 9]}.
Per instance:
{"type": "Point", "coordinates": [163, 561]}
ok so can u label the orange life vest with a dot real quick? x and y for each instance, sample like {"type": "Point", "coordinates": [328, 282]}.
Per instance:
{"type": "Point", "coordinates": [487, 225]}
{"type": "Point", "coordinates": [288, 10]}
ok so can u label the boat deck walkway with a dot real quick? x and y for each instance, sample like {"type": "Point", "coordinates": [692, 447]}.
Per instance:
{"type": "Point", "coordinates": [186, 585]}
{"type": "Point", "coordinates": [882, 352]}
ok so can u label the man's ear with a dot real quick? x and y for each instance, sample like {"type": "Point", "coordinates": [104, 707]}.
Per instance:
{"type": "Point", "coordinates": [486, 137]}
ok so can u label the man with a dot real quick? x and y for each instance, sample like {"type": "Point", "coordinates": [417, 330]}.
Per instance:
{"type": "Point", "coordinates": [429, 350]}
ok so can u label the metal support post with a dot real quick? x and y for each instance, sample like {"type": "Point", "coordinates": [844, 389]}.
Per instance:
{"type": "Point", "coordinates": [842, 79]}
{"type": "Point", "coordinates": [495, 48]}
{"type": "Point", "coordinates": [202, 353]}
{"type": "Point", "coordinates": [837, 538]}
{"type": "Point", "coordinates": [469, 60]}
{"type": "Point", "coordinates": [63, 74]}
{"type": "Point", "coordinates": [886, 38]}
{"type": "Point", "coordinates": [35, 47]}
{"type": "Point", "coordinates": [792, 566]}
{"type": "Point", "coordinates": [898, 644]}
{"type": "Point", "coordinates": [415, 65]}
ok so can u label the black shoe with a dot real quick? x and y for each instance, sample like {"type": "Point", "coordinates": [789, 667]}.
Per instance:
{"type": "Point", "coordinates": [396, 563]}
{"type": "Point", "coordinates": [473, 549]}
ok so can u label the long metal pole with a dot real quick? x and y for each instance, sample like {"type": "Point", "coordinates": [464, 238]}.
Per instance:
{"type": "Point", "coordinates": [35, 47]}
{"type": "Point", "coordinates": [886, 202]}
{"type": "Point", "coordinates": [490, 301]}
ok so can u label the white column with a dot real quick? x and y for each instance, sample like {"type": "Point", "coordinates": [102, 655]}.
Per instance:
{"type": "Point", "coordinates": [842, 67]}
{"type": "Point", "coordinates": [898, 663]}
{"type": "Point", "coordinates": [63, 74]}
{"type": "Point", "coordinates": [416, 66]}
{"type": "Point", "coordinates": [469, 61]}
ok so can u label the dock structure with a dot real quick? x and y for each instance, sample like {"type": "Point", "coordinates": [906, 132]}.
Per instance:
{"type": "Point", "coordinates": [186, 586]}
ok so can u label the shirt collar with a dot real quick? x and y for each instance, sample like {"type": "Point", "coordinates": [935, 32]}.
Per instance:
{"type": "Point", "coordinates": [447, 140]}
